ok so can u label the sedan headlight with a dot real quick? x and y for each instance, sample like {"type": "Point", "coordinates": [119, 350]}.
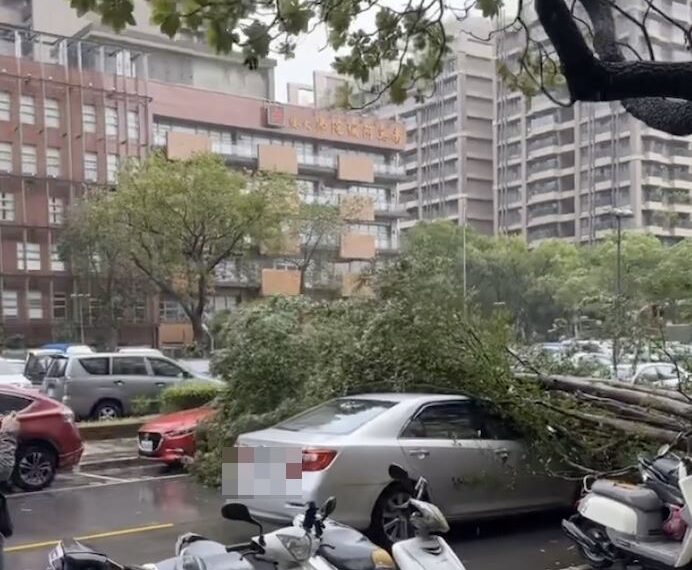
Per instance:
{"type": "Point", "coordinates": [300, 547]}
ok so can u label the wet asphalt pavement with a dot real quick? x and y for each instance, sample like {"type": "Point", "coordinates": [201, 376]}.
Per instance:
{"type": "Point", "coordinates": [135, 515]}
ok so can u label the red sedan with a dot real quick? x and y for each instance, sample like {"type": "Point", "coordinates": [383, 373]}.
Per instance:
{"type": "Point", "coordinates": [48, 438]}
{"type": "Point", "coordinates": [171, 438]}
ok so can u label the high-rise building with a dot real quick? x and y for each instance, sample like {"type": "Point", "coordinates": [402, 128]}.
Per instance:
{"type": "Point", "coordinates": [72, 108]}
{"type": "Point", "coordinates": [560, 171]}
{"type": "Point", "coordinates": [449, 153]}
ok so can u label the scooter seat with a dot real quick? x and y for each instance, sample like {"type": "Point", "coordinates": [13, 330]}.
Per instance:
{"type": "Point", "coordinates": [347, 549]}
{"type": "Point", "coordinates": [635, 496]}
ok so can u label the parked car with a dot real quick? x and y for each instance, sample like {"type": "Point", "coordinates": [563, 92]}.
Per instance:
{"type": "Point", "coordinates": [170, 438]}
{"type": "Point", "coordinates": [653, 374]}
{"type": "Point", "coordinates": [38, 360]}
{"type": "Point", "coordinates": [48, 437]}
{"type": "Point", "coordinates": [104, 385]}
{"type": "Point", "coordinates": [474, 463]}
{"type": "Point", "coordinates": [12, 374]}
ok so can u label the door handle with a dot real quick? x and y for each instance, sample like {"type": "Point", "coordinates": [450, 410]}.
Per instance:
{"type": "Point", "coordinates": [118, 382]}
{"type": "Point", "coordinates": [419, 453]}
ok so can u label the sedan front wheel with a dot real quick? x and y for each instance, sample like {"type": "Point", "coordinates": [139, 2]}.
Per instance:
{"type": "Point", "coordinates": [389, 518]}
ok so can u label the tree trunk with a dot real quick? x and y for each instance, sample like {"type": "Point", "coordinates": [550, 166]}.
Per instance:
{"type": "Point", "coordinates": [200, 335]}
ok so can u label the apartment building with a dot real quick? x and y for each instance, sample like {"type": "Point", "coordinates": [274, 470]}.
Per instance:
{"type": "Point", "coordinates": [72, 109]}
{"type": "Point", "coordinates": [448, 158]}
{"type": "Point", "coordinates": [449, 154]}
{"type": "Point", "coordinates": [561, 170]}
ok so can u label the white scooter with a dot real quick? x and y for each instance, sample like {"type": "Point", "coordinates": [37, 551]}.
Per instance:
{"type": "Point", "coordinates": [426, 550]}
{"type": "Point", "coordinates": [647, 524]}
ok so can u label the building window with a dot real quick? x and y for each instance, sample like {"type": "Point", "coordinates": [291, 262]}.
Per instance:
{"type": "Point", "coordinates": [6, 157]}
{"type": "Point", "coordinates": [89, 118]}
{"type": "Point", "coordinates": [52, 113]}
{"type": "Point", "coordinates": [111, 121]}
{"type": "Point", "coordinates": [27, 110]}
{"type": "Point", "coordinates": [10, 304]}
{"type": "Point", "coordinates": [5, 106]}
{"type": "Point", "coordinates": [7, 206]}
{"type": "Point", "coordinates": [56, 210]}
{"type": "Point", "coordinates": [35, 302]}
{"type": "Point", "coordinates": [171, 312]}
{"type": "Point", "coordinates": [59, 306]}
{"type": "Point", "coordinates": [28, 256]}
{"type": "Point", "coordinates": [56, 261]}
{"type": "Point", "coordinates": [112, 168]}
{"type": "Point", "coordinates": [91, 167]}
{"type": "Point", "coordinates": [29, 163]}
{"type": "Point", "coordinates": [133, 125]}
{"type": "Point", "coordinates": [53, 162]}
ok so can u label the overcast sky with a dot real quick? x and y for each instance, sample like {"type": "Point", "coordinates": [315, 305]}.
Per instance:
{"type": "Point", "coordinates": [308, 59]}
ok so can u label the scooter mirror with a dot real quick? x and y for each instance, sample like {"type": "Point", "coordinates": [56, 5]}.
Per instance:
{"type": "Point", "coordinates": [663, 450]}
{"type": "Point", "coordinates": [329, 506]}
{"type": "Point", "coordinates": [237, 512]}
{"type": "Point", "coordinates": [398, 473]}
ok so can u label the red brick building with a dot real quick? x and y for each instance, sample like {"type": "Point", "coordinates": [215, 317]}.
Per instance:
{"type": "Point", "coordinates": [72, 110]}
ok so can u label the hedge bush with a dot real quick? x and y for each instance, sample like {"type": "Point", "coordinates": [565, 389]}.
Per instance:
{"type": "Point", "coordinates": [187, 396]}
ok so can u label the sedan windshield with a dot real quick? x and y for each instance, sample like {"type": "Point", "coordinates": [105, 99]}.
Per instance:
{"type": "Point", "coordinates": [338, 417]}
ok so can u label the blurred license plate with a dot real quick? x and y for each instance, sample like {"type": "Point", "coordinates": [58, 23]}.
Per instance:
{"type": "Point", "coordinates": [146, 445]}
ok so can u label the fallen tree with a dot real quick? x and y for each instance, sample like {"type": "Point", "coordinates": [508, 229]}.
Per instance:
{"type": "Point", "coordinates": [420, 334]}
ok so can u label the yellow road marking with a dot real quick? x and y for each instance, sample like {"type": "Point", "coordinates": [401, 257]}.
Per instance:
{"type": "Point", "coordinates": [108, 534]}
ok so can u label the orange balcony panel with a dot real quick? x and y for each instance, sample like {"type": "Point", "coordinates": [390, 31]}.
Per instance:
{"type": "Point", "coordinates": [352, 285]}
{"type": "Point", "coordinates": [355, 168]}
{"type": "Point", "coordinates": [182, 146]}
{"type": "Point", "coordinates": [280, 282]}
{"type": "Point", "coordinates": [277, 158]}
{"type": "Point", "coordinates": [175, 333]}
{"type": "Point", "coordinates": [360, 208]}
{"type": "Point", "coordinates": [357, 246]}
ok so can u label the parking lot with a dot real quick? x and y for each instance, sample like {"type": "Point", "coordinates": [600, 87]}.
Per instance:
{"type": "Point", "coordinates": [135, 514]}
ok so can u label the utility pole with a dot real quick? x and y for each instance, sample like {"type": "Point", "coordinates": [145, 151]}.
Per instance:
{"type": "Point", "coordinates": [619, 214]}
{"type": "Point", "coordinates": [464, 202]}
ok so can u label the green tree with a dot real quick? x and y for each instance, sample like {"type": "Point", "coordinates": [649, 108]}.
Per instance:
{"type": "Point", "coordinates": [179, 220]}
{"type": "Point", "coordinates": [96, 249]}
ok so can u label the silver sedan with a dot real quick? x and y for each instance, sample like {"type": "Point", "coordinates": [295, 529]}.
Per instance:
{"type": "Point", "coordinates": [474, 464]}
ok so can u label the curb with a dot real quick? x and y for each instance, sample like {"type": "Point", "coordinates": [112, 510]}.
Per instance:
{"type": "Point", "coordinates": [102, 464]}
{"type": "Point", "coordinates": [93, 431]}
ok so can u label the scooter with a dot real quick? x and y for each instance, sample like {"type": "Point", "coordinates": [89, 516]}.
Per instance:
{"type": "Point", "coordinates": [280, 550]}
{"type": "Point", "coordinates": [342, 546]}
{"type": "Point", "coordinates": [648, 524]}
{"type": "Point", "coordinates": [426, 550]}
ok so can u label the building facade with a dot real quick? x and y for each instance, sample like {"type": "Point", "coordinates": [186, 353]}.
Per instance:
{"type": "Point", "coordinates": [561, 171]}
{"type": "Point", "coordinates": [448, 158]}
{"type": "Point", "coordinates": [72, 109]}
{"type": "Point", "coordinates": [449, 154]}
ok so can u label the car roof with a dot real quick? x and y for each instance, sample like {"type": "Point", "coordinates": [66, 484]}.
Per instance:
{"type": "Point", "coordinates": [407, 397]}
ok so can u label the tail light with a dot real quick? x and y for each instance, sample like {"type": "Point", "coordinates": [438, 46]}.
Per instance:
{"type": "Point", "coordinates": [317, 459]}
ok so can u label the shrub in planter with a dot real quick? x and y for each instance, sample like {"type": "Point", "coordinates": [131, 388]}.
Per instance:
{"type": "Point", "coordinates": [143, 406]}
{"type": "Point", "coordinates": [187, 396]}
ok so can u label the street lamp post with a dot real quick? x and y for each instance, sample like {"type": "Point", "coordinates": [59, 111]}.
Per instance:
{"type": "Point", "coordinates": [618, 214]}
{"type": "Point", "coordinates": [79, 297]}
{"type": "Point", "coordinates": [464, 204]}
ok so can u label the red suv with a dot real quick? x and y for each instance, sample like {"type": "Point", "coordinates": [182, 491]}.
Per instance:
{"type": "Point", "coordinates": [48, 437]}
